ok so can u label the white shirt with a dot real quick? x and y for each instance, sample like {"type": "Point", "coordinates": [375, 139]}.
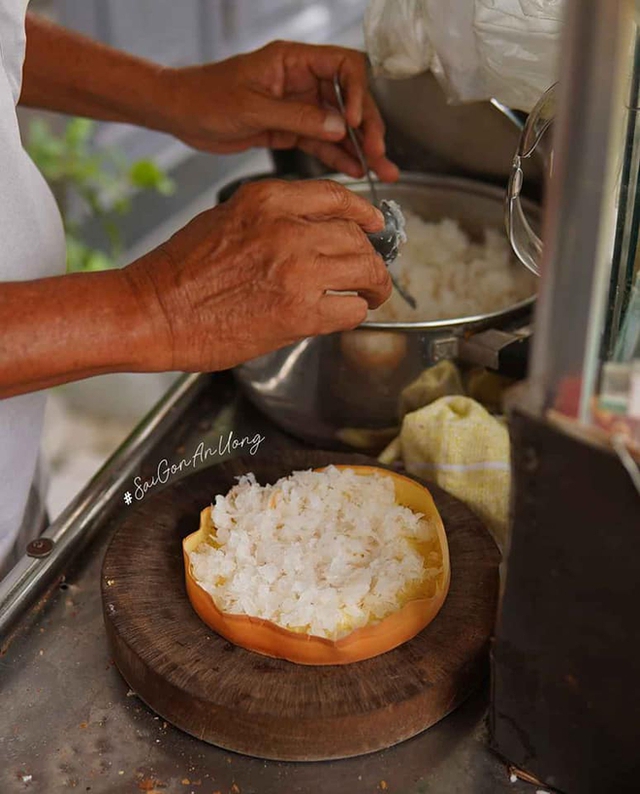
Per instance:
{"type": "Point", "coordinates": [31, 246]}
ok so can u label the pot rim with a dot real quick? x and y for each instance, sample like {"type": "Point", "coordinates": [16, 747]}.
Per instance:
{"type": "Point", "coordinates": [463, 185]}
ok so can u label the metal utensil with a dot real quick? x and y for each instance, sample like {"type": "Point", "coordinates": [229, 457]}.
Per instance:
{"type": "Point", "coordinates": [387, 241]}
{"type": "Point", "coordinates": [354, 140]}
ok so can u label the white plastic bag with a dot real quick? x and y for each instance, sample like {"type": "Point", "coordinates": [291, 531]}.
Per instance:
{"type": "Point", "coordinates": [457, 64]}
{"type": "Point", "coordinates": [479, 49]}
{"type": "Point", "coordinates": [396, 37]}
{"type": "Point", "coordinates": [518, 43]}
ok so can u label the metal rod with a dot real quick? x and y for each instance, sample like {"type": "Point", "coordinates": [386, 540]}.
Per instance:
{"type": "Point", "coordinates": [354, 141]}
{"type": "Point", "coordinates": [579, 223]}
{"type": "Point", "coordinates": [629, 211]}
{"type": "Point", "coordinates": [77, 524]}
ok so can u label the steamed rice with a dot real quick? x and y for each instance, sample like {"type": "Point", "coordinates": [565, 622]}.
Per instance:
{"type": "Point", "coordinates": [451, 276]}
{"type": "Point", "coordinates": [317, 552]}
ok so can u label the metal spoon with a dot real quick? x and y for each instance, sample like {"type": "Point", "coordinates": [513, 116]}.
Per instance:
{"type": "Point", "coordinates": [387, 241]}
{"type": "Point", "coordinates": [354, 140]}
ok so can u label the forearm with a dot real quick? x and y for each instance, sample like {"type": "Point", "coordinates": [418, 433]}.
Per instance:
{"type": "Point", "coordinates": [61, 329]}
{"type": "Point", "coordinates": [72, 74]}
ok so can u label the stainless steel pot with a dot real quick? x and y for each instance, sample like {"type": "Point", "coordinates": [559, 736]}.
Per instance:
{"type": "Point", "coordinates": [322, 389]}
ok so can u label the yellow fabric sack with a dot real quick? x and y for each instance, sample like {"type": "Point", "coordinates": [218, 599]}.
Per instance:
{"type": "Point", "coordinates": [457, 444]}
{"type": "Point", "coordinates": [441, 380]}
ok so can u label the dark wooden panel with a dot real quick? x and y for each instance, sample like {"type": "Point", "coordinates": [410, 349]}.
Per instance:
{"type": "Point", "coordinates": [272, 708]}
{"type": "Point", "coordinates": [566, 662]}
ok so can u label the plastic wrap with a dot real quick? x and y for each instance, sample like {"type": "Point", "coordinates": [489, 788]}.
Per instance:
{"type": "Point", "coordinates": [479, 49]}
{"type": "Point", "coordinates": [396, 37]}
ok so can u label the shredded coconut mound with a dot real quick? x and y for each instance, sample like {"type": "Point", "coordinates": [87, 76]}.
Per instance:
{"type": "Point", "coordinates": [322, 553]}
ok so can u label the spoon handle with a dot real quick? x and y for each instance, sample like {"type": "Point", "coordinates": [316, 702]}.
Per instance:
{"type": "Point", "coordinates": [409, 299]}
{"type": "Point", "coordinates": [403, 293]}
{"type": "Point", "coordinates": [354, 140]}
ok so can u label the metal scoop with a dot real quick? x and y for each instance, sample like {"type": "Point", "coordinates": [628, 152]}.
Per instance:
{"type": "Point", "coordinates": [386, 242]}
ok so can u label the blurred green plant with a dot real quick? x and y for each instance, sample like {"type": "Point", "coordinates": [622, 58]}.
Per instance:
{"type": "Point", "coordinates": [101, 180]}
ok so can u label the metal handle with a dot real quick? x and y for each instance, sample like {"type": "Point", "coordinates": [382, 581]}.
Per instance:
{"type": "Point", "coordinates": [526, 244]}
{"type": "Point", "coordinates": [354, 140]}
{"type": "Point", "coordinates": [77, 524]}
{"type": "Point", "coordinates": [503, 351]}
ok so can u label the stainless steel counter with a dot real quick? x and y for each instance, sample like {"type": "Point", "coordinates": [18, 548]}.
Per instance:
{"type": "Point", "coordinates": [69, 722]}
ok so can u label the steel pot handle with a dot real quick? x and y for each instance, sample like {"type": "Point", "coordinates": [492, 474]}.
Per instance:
{"type": "Point", "coordinates": [525, 242]}
{"type": "Point", "coordinates": [503, 351]}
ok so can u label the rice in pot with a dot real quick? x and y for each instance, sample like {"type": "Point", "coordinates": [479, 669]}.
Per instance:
{"type": "Point", "coordinates": [322, 553]}
{"type": "Point", "coordinates": [451, 276]}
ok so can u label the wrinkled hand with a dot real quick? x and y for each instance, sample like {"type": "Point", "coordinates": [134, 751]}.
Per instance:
{"type": "Point", "coordinates": [280, 97]}
{"type": "Point", "coordinates": [252, 275]}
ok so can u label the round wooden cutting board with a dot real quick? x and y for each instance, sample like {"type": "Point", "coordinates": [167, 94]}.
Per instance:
{"type": "Point", "coordinates": [270, 708]}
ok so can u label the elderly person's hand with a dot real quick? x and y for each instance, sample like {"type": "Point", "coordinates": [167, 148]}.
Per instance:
{"type": "Point", "coordinates": [252, 275]}
{"type": "Point", "coordinates": [280, 96]}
